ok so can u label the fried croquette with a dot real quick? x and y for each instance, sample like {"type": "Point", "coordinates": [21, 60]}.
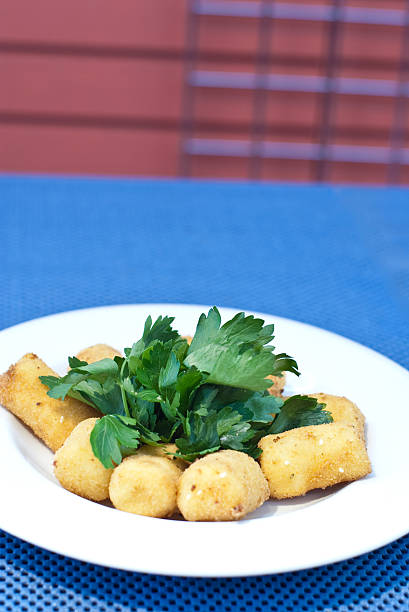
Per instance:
{"type": "Point", "coordinates": [222, 486]}
{"type": "Point", "coordinates": [77, 468]}
{"type": "Point", "coordinates": [97, 352]}
{"type": "Point", "coordinates": [145, 484]}
{"type": "Point", "coordinates": [313, 457]}
{"type": "Point", "coordinates": [278, 385]}
{"type": "Point", "coordinates": [23, 394]}
{"type": "Point", "coordinates": [166, 451]}
{"type": "Point", "coordinates": [342, 410]}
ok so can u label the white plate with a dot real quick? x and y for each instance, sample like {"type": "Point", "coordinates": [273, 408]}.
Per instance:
{"type": "Point", "coordinates": [320, 528]}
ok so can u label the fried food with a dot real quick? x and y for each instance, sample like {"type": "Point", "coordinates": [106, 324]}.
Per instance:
{"type": "Point", "coordinates": [97, 352]}
{"type": "Point", "coordinates": [222, 486]}
{"type": "Point", "coordinates": [77, 468]}
{"type": "Point", "coordinates": [23, 394]}
{"type": "Point", "coordinates": [163, 451]}
{"type": "Point", "coordinates": [278, 385]}
{"type": "Point", "coordinates": [312, 457]}
{"type": "Point", "coordinates": [145, 484]}
{"type": "Point", "coordinates": [342, 410]}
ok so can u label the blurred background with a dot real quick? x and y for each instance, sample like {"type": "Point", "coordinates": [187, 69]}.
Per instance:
{"type": "Point", "coordinates": [293, 90]}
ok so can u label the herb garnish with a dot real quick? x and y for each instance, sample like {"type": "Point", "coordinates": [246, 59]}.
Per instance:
{"type": "Point", "coordinates": [208, 396]}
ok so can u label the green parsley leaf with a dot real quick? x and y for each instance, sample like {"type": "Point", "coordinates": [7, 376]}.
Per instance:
{"type": "Point", "coordinates": [112, 434]}
{"type": "Point", "coordinates": [59, 388]}
{"type": "Point", "coordinates": [226, 418]}
{"type": "Point", "coordinates": [74, 362]}
{"type": "Point", "coordinates": [215, 422]}
{"type": "Point", "coordinates": [260, 408]}
{"type": "Point", "coordinates": [202, 439]}
{"type": "Point", "coordinates": [149, 395]}
{"type": "Point", "coordinates": [170, 409]}
{"type": "Point", "coordinates": [284, 363]}
{"type": "Point", "coordinates": [300, 411]}
{"type": "Point", "coordinates": [160, 330]}
{"type": "Point", "coordinates": [168, 375]}
{"type": "Point", "coordinates": [180, 348]}
{"type": "Point", "coordinates": [234, 354]}
{"type": "Point", "coordinates": [186, 384]}
{"type": "Point", "coordinates": [99, 371]}
{"type": "Point", "coordinates": [209, 395]}
{"type": "Point", "coordinates": [237, 437]}
{"type": "Point", "coordinates": [148, 366]}
{"type": "Point", "coordinates": [142, 407]}
{"type": "Point", "coordinates": [105, 368]}
{"type": "Point", "coordinates": [105, 397]}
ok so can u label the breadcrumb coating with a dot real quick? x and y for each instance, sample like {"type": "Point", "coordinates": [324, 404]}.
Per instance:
{"type": "Point", "coordinates": [342, 410]}
{"type": "Point", "coordinates": [145, 484]}
{"type": "Point", "coordinates": [77, 468]}
{"type": "Point", "coordinates": [23, 394]}
{"type": "Point", "coordinates": [222, 486]}
{"type": "Point", "coordinates": [97, 352]}
{"type": "Point", "coordinates": [278, 385]}
{"type": "Point", "coordinates": [319, 456]}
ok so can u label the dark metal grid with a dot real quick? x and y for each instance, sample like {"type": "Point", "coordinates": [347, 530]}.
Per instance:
{"type": "Point", "coordinates": [302, 83]}
{"type": "Point", "coordinates": [257, 148]}
{"type": "Point", "coordinates": [301, 12]}
{"type": "Point", "coordinates": [399, 122]}
{"type": "Point", "coordinates": [328, 100]}
{"type": "Point", "coordinates": [188, 94]}
{"type": "Point", "coordinates": [290, 150]}
{"type": "Point", "coordinates": [260, 93]}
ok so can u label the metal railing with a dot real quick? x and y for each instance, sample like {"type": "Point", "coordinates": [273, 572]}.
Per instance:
{"type": "Point", "coordinates": [328, 85]}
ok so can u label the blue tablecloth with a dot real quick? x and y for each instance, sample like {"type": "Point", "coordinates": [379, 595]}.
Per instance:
{"type": "Point", "coordinates": [334, 257]}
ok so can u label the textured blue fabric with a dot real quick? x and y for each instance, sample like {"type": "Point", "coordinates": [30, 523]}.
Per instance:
{"type": "Point", "coordinates": [334, 257]}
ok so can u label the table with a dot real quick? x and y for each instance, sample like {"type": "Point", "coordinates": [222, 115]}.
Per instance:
{"type": "Point", "coordinates": [336, 257]}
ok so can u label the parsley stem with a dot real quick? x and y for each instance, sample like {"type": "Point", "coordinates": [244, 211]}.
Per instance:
{"type": "Point", "coordinates": [124, 401]}
{"type": "Point", "coordinates": [123, 394]}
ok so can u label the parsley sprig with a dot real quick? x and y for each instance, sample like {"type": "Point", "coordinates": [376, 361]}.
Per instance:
{"type": "Point", "coordinates": [208, 396]}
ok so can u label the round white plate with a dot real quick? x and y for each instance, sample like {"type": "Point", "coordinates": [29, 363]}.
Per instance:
{"type": "Point", "coordinates": [322, 527]}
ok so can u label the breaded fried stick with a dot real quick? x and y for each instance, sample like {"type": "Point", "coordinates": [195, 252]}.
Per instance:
{"type": "Point", "coordinates": [77, 468]}
{"type": "Point", "coordinates": [317, 456]}
{"type": "Point", "coordinates": [97, 352]}
{"type": "Point", "coordinates": [23, 394]}
{"type": "Point", "coordinates": [342, 410]}
{"type": "Point", "coordinates": [222, 486]}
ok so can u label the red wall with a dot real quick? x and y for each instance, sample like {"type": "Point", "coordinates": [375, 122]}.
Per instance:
{"type": "Point", "coordinates": [97, 86]}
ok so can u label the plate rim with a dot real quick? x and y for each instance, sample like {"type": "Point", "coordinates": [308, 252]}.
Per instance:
{"type": "Point", "coordinates": [258, 313]}
{"type": "Point", "coordinates": [294, 567]}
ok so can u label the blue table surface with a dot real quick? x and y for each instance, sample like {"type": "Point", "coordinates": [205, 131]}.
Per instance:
{"type": "Point", "coordinates": [335, 257]}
